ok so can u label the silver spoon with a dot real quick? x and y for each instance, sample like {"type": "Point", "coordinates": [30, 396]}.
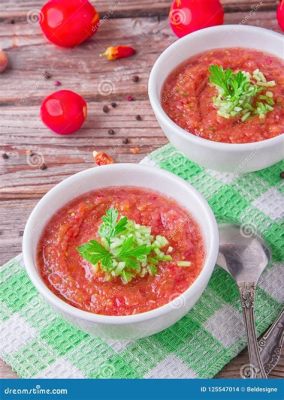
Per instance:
{"type": "Point", "coordinates": [271, 343]}
{"type": "Point", "coordinates": [245, 258]}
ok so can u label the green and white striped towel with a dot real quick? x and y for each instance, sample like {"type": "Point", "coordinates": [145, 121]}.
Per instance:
{"type": "Point", "coordinates": [38, 343]}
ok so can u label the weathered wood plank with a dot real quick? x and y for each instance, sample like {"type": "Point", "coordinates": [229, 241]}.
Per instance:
{"type": "Point", "coordinates": [21, 175]}
{"type": "Point", "coordinates": [6, 371]}
{"type": "Point", "coordinates": [120, 8]}
{"type": "Point", "coordinates": [82, 69]}
{"type": "Point", "coordinates": [20, 125]}
{"type": "Point", "coordinates": [12, 228]}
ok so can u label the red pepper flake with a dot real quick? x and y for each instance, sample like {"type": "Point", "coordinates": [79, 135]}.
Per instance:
{"type": "Point", "coordinates": [57, 83]}
{"type": "Point", "coordinates": [135, 150]}
{"type": "Point", "coordinates": [116, 52]}
{"type": "Point", "coordinates": [3, 61]}
{"type": "Point", "coordinates": [130, 98]}
{"type": "Point", "coordinates": [102, 158]}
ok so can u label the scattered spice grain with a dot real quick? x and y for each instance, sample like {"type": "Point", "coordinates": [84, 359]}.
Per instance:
{"type": "Point", "coordinates": [135, 150]}
{"type": "Point", "coordinates": [43, 166]}
{"type": "Point", "coordinates": [47, 75]}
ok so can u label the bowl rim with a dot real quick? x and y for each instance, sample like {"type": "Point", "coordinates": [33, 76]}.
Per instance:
{"type": "Point", "coordinates": [162, 115]}
{"type": "Point", "coordinates": [53, 299]}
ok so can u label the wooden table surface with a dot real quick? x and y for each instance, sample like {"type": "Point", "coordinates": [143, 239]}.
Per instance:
{"type": "Point", "coordinates": [142, 23]}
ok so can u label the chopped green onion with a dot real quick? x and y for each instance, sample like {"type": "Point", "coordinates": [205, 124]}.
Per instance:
{"type": "Point", "coordinates": [246, 116]}
{"type": "Point", "coordinates": [184, 264]}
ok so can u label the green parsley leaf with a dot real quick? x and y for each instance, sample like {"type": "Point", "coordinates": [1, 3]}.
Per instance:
{"type": "Point", "coordinates": [221, 78]}
{"type": "Point", "coordinates": [128, 249]}
{"type": "Point", "coordinates": [94, 252]}
{"type": "Point", "coordinates": [110, 227]}
{"type": "Point", "coordinates": [130, 253]}
{"type": "Point", "coordinates": [120, 226]}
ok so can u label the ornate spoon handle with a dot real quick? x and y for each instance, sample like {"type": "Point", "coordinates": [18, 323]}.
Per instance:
{"type": "Point", "coordinates": [271, 343]}
{"type": "Point", "coordinates": [247, 292]}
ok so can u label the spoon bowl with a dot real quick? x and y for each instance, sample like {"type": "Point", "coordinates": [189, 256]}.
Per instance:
{"type": "Point", "coordinates": [245, 257]}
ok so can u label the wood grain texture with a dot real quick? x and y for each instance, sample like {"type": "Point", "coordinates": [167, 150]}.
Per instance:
{"type": "Point", "coordinates": [233, 369]}
{"type": "Point", "coordinates": [140, 23]}
{"type": "Point", "coordinates": [11, 9]}
{"type": "Point", "coordinates": [81, 69]}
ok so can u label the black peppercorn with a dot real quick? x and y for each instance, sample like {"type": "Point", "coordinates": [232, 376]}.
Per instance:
{"type": "Point", "coordinates": [47, 75]}
{"type": "Point", "coordinates": [43, 166]}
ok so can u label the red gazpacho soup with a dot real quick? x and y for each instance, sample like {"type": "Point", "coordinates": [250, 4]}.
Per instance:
{"type": "Point", "coordinates": [231, 95]}
{"type": "Point", "coordinates": [120, 251]}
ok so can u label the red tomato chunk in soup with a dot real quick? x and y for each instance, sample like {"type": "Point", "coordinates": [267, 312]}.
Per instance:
{"type": "Point", "coordinates": [187, 97]}
{"type": "Point", "coordinates": [74, 279]}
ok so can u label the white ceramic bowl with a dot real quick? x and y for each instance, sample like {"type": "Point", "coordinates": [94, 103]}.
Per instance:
{"type": "Point", "coordinates": [238, 158]}
{"type": "Point", "coordinates": [143, 324]}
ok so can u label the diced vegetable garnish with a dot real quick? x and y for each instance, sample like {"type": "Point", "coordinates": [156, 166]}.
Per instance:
{"type": "Point", "coordinates": [183, 263]}
{"type": "Point", "coordinates": [126, 249]}
{"type": "Point", "coordinates": [240, 93]}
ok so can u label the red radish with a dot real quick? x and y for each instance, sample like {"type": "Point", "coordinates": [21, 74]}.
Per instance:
{"type": "Point", "coordinates": [280, 14]}
{"type": "Point", "coordinates": [64, 112]}
{"type": "Point", "coordinates": [187, 16]}
{"type": "Point", "coordinates": [68, 23]}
